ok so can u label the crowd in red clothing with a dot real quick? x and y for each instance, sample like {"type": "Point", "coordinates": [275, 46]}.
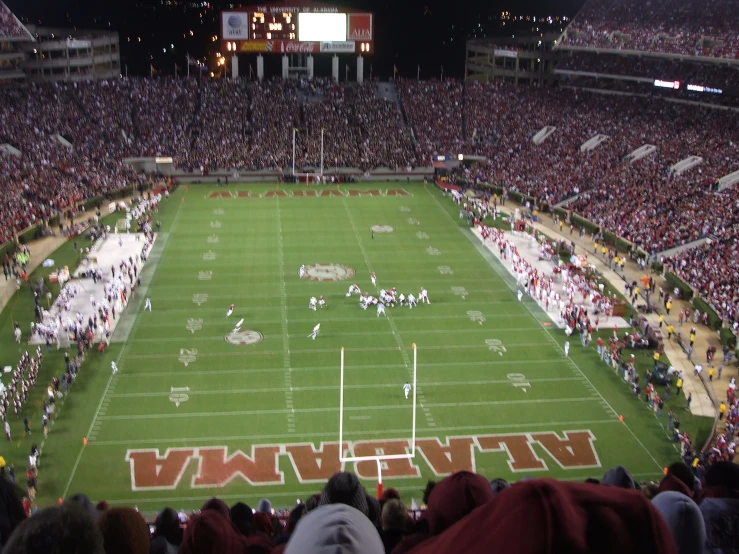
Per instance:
{"type": "Point", "coordinates": [463, 512]}
{"type": "Point", "coordinates": [705, 28]}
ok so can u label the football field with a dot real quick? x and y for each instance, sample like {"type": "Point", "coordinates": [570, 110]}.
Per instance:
{"type": "Point", "coordinates": [198, 409]}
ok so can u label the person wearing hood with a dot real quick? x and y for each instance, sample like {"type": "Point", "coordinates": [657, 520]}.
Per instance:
{"type": "Point", "coordinates": [335, 529]}
{"type": "Point", "coordinates": [684, 519]}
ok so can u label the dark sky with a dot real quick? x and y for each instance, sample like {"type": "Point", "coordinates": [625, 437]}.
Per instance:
{"type": "Point", "coordinates": [408, 32]}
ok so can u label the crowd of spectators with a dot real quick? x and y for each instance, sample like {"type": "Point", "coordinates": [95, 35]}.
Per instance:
{"type": "Point", "coordinates": [9, 25]}
{"type": "Point", "coordinates": [465, 512]}
{"type": "Point", "coordinates": [671, 26]}
{"type": "Point", "coordinates": [434, 110]}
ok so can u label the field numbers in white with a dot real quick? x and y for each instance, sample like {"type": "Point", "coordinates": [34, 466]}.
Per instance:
{"type": "Point", "coordinates": [445, 270]}
{"type": "Point", "coordinates": [178, 396]}
{"type": "Point", "coordinates": [421, 235]}
{"type": "Point", "coordinates": [193, 325]}
{"type": "Point", "coordinates": [518, 380]}
{"type": "Point", "coordinates": [216, 224]}
{"type": "Point", "coordinates": [412, 221]}
{"type": "Point", "coordinates": [433, 251]}
{"type": "Point", "coordinates": [460, 291]}
{"type": "Point", "coordinates": [213, 239]}
{"type": "Point", "coordinates": [494, 345]}
{"type": "Point", "coordinates": [188, 356]}
{"type": "Point", "coordinates": [476, 316]}
{"type": "Point", "coordinates": [209, 256]}
{"type": "Point", "coordinates": [205, 275]}
{"type": "Point", "coordinates": [199, 298]}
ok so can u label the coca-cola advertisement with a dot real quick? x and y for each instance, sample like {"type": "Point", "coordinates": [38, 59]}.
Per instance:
{"type": "Point", "coordinates": [295, 47]}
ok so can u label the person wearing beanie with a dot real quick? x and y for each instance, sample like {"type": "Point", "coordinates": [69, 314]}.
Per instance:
{"type": "Point", "coordinates": [124, 531]}
{"type": "Point", "coordinates": [242, 516]}
{"type": "Point", "coordinates": [684, 519]}
{"type": "Point", "coordinates": [335, 529]}
{"type": "Point", "coordinates": [554, 517]}
{"type": "Point", "coordinates": [61, 529]}
{"type": "Point", "coordinates": [450, 501]}
{"type": "Point", "coordinates": [619, 477]}
{"type": "Point", "coordinates": [264, 506]}
{"type": "Point", "coordinates": [344, 488]}
{"type": "Point", "coordinates": [498, 486]}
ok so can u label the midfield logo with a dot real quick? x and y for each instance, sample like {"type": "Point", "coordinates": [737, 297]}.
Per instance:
{"type": "Point", "coordinates": [215, 467]}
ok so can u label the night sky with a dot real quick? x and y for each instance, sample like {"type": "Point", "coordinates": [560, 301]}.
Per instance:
{"type": "Point", "coordinates": [408, 32]}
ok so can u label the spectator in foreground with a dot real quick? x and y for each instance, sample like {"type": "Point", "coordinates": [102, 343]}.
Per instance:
{"type": "Point", "coordinates": [684, 519]}
{"type": "Point", "coordinates": [395, 522]}
{"type": "Point", "coordinates": [719, 504]}
{"type": "Point", "coordinates": [65, 529]}
{"type": "Point", "coordinates": [335, 528]}
{"type": "Point", "coordinates": [167, 533]}
{"type": "Point", "coordinates": [12, 512]}
{"type": "Point", "coordinates": [124, 531]}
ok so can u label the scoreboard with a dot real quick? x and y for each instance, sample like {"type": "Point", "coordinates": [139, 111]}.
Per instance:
{"type": "Point", "coordinates": [305, 29]}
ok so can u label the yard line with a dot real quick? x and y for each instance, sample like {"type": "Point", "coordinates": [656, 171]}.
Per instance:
{"type": "Point", "coordinates": [304, 320]}
{"type": "Point", "coordinates": [455, 365]}
{"type": "Point", "coordinates": [336, 387]}
{"type": "Point", "coordinates": [321, 351]}
{"type": "Point", "coordinates": [476, 243]}
{"type": "Point", "coordinates": [466, 332]}
{"type": "Point", "coordinates": [180, 415]}
{"type": "Point", "coordinates": [96, 417]}
{"type": "Point", "coordinates": [285, 336]}
{"type": "Point", "coordinates": [423, 433]}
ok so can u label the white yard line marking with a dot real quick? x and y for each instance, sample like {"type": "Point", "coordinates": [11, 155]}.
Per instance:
{"type": "Point", "coordinates": [288, 390]}
{"type": "Point", "coordinates": [180, 415]}
{"type": "Point", "coordinates": [336, 387]}
{"type": "Point", "coordinates": [455, 365]}
{"type": "Point", "coordinates": [423, 433]}
{"type": "Point", "coordinates": [559, 346]}
{"type": "Point", "coordinates": [401, 345]}
{"type": "Point", "coordinates": [110, 384]}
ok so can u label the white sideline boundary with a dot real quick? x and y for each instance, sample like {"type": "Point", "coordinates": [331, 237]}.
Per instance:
{"type": "Point", "coordinates": [554, 341]}
{"type": "Point", "coordinates": [96, 417]}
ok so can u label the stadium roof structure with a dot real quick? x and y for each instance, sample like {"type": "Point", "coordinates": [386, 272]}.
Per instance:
{"type": "Point", "coordinates": [11, 28]}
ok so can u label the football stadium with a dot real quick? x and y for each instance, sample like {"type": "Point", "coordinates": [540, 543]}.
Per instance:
{"type": "Point", "coordinates": [410, 311]}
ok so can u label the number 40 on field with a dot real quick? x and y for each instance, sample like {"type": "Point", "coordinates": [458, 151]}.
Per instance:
{"type": "Point", "coordinates": [518, 380]}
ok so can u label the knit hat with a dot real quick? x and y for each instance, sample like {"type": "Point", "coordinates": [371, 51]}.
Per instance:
{"type": "Point", "coordinates": [211, 533]}
{"type": "Point", "coordinates": [619, 477]}
{"type": "Point", "coordinates": [684, 519]}
{"type": "Point", "coordinates": [556, 517]}
{"type": "Point", "coordinates": [455, 497]}
{"type": "Point", "coordinates": [124, 531]}
{"type": "Point", "coordinates": [335, 529]}
{"type": "Point", "coordinates": [264, 506]}
{"type": "Point", "coordinates": [344, 488]}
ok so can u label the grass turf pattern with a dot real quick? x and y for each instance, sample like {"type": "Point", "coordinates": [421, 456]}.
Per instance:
{"type": "Point", "coordinates": [181, 386]}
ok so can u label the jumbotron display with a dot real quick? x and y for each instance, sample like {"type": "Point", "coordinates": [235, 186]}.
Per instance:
{"type": "Point", "coordinates": [307, 29]}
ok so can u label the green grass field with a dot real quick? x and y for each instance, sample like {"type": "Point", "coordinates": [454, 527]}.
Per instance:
{"type": "Point", "coordinates": [191, 415]}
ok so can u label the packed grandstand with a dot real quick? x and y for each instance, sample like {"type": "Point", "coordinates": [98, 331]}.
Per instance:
{"type": "Point", "coordinates": [67, 142]}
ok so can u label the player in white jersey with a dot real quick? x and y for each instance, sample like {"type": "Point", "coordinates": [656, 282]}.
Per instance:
{"type": "Point", "coordinates": [411, 301]}
{"type": "Point", "coordinates": [567, 348]}
{"type": "Point", "coordinates": [381, 309]}
{"type": "Point", "coordinates": [353, 289]}
{"type": "Point", "coordinates": [407, 389]}
{"type": "Point", "coordinates": [321, 302]}
{"type": "Point", "coordinates": [238, 325]}
{"type": "Point", "coordinates": [315, 332]}
{"type": "Point", "coordinates": [230, 310]}
{"type": "Point", "coordinates": [312, 303]}
{"type": "Point", "coordinates": [520, 295]}
{"type": "Point", "coordinates": [401, 299]}
{"type": "Point", "coordinates": [147, 305]}
{"type": "Point", "coordinates": [114, 367]}
{"type": "Point", "coordinates": [301, 271]}
{"type": "Point", "coordinates": [423, 295]}
{"type": "Point", "coordinates": [373, 278]}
